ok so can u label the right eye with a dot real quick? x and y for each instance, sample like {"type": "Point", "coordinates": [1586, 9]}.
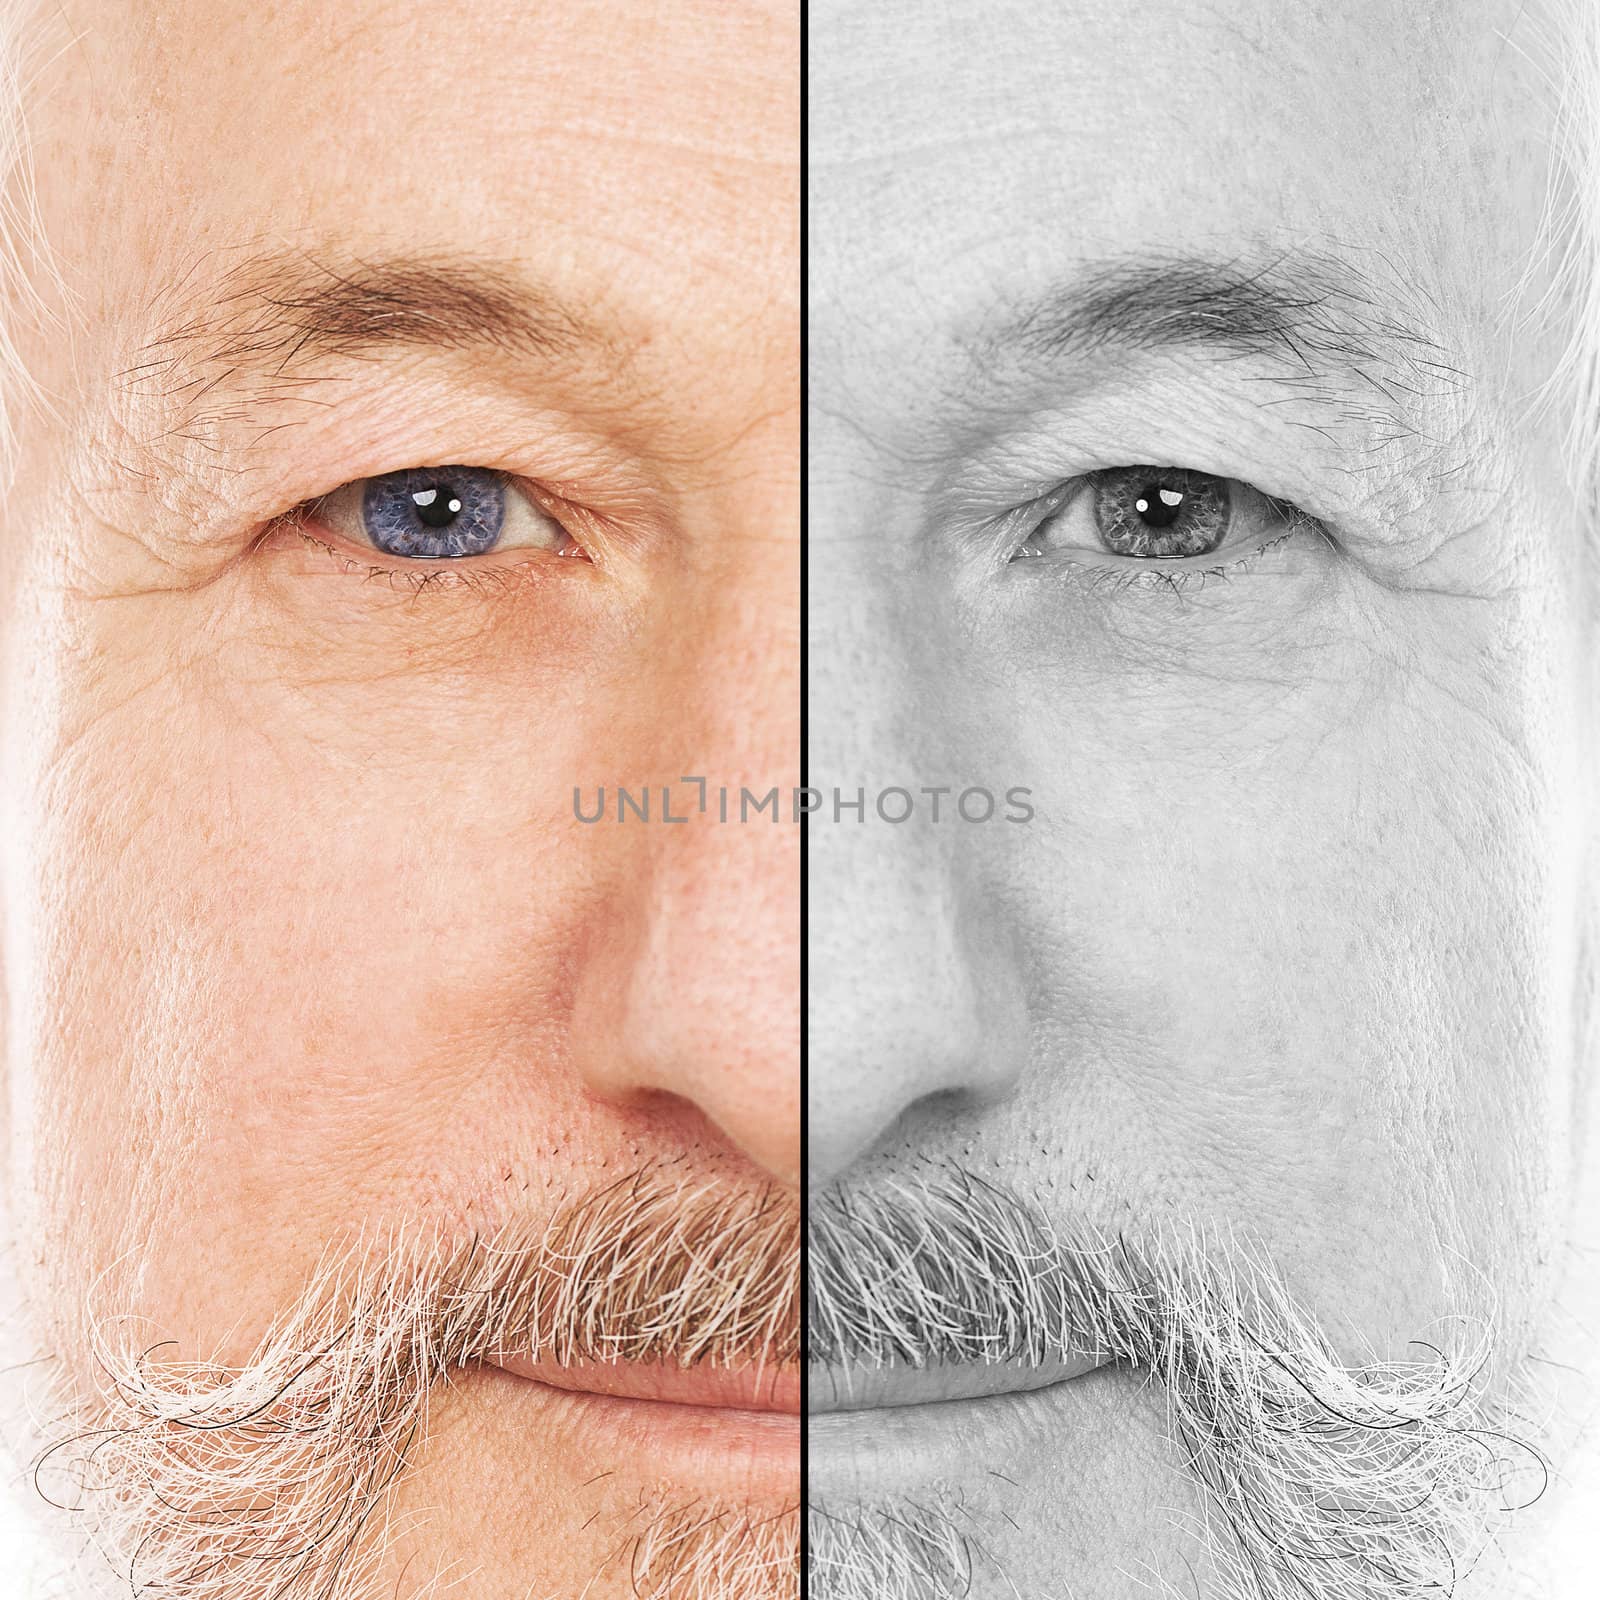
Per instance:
{"type": "Point", "coordinates": [440, 514]}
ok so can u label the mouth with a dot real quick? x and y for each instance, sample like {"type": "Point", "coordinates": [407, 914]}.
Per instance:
{"type": "Point", "coordinates": [753, 1389]}
{"type": "Point", "coordinates": [831, 1390]}
{"type": "Point", "coordinates": [871, 1428]}
{"type": "Point", "coordinates": [735, 1431]}
{"type": "Point", "coordinates": [731, 1429]}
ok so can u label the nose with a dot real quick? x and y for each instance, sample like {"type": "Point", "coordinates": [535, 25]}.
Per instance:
{"type": "Point", "coordinates": [697, 989]}
{"type": "Point", "coordinates": [914, 995]}
{"type": "Point", "coordinates": [911, 996]}
{"type": "Point", "coordinates": [689, 984]}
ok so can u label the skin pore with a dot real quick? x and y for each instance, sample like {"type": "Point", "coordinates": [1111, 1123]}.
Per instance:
{"type": "Point", "coordinates": [307, 960]}
{"type": "Point", "coordinates": [1291, 957]}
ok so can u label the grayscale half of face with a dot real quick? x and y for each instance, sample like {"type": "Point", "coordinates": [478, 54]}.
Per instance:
{"type": "Point", "coordinates": [1201, 608]}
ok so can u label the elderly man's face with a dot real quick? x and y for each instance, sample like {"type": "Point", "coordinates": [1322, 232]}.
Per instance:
{"type": "Point", "coordinates": [1285, 958]}
{"type": "Point", "coordinates": [306, 949]}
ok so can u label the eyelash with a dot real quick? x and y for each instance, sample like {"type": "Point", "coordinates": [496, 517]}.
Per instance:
{"type": "Point", "coordinates": [420, 577]}
{"type": "Point", "coordinates": [1171, 577]}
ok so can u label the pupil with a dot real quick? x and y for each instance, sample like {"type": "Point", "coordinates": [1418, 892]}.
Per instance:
{"type": "Point", "coordinates": [436, 508]}
{"type": "Point", "coordinates": [1159, 506]}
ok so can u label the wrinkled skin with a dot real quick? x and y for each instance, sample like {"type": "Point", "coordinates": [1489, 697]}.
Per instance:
{"type": "Point", "coordinates": [301, 934]}
{"type": "Point", "coordinates": [1297, 942]}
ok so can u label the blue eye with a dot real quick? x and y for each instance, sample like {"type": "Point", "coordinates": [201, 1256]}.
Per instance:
{"type": "Point", "coordinates": [440, 514]}
{"type": "Point", "coordinates": [434, 512]}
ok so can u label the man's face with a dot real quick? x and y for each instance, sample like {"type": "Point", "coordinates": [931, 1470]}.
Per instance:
{"type": "Point", "coordinates": [306, 947]}
{"type": "Point", "coordinates": [1286, 954]}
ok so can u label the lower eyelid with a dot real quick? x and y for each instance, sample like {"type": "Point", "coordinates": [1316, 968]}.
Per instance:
{"type": "Point", "coordinates": [480, 574]}
{"type": "Point", "coordinates": [1244, 550]}
{"type": "Point", "coordinates": [1131, 573]}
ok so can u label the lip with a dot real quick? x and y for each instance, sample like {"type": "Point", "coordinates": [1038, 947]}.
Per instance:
{"type": "Point", "coordinates": [868, 1431]}
{"type": "Point", "coordinates": [838, 1389]}
{"type": "Point", "coordinates": [730, 1429]}
{"type": "Point", "coordinates": [745, 1389]}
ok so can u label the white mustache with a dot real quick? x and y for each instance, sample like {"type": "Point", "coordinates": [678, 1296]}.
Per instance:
{"type": "Point", "coordinates": [273, 1477]}
{"type": "Point", "coordinates": [1374, 1482]}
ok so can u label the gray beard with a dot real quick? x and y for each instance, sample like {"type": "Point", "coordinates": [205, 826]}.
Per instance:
{"type": "Point", "coordinates": [275, 1478]}
{"type": "Point", "coordinates": [1384, 1481]}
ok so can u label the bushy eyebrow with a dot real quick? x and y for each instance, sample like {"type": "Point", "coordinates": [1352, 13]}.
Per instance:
{"type": "Point", "coordinates": [219, 347]}
{"type": "Point", "coordinates": [1361, 342]}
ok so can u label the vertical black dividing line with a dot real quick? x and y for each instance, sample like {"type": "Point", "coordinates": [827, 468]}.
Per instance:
{"type": "Point", "coordinates": [805, 762]}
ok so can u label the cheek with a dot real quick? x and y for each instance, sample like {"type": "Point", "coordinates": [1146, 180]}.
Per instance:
{"type": "Point", "coordinates": [246, 1020]}
{"type": "Point", "coordinates": [1248, 915]}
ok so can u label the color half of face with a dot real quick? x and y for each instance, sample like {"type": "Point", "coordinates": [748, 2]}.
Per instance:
{"type": "Point", "coordinates": [1171, 460]}
{"type": "Point", "coordinates": [420, 463]}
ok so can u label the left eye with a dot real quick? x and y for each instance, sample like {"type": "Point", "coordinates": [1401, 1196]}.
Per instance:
{"type": "Point", "coordinates": [1161, 514]}
{"type": "Point", "coordinates": [440, 513]}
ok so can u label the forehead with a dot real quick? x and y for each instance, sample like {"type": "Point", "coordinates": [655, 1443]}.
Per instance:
{"type": "Point", "coordinates": [650, 151]}
{"type": "Point", "coordinates": [964, 154]}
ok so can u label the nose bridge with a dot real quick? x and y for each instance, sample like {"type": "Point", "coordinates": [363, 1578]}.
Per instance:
{"type": "Point", "coordinates": [723, 884]}
{"type": "Point", "coordinates": [735, 739]}
{"type": "Point", "coordinates": [875, 626]}
{"type": "Point", "coordinates": [910, 994]}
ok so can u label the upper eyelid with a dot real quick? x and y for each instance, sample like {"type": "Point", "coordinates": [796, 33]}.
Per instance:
{"type": "Point", "coordinates": [557, 467]}
{"type": "Point", "coordinates": [1057, 451]}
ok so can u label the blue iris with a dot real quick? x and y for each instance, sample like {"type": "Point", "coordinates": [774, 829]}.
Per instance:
{"type": "Point", "coordinates": [433, 512]}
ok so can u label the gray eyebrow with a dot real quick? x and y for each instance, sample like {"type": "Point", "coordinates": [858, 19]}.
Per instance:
{"type": "Point", "coordinates": [265, 325]}
{"type": "Point", "coordinates": [1359, 341]}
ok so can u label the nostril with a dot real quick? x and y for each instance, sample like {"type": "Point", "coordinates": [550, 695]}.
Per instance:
{"type": "Point", "coordinates": [667, 1119]}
